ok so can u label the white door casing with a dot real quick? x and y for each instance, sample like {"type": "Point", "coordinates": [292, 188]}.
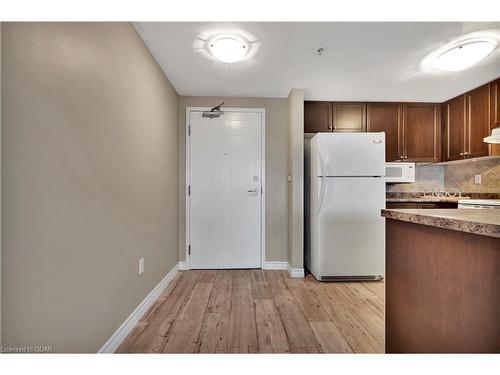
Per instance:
{"type": "Point", "coordinates": [225, 189]}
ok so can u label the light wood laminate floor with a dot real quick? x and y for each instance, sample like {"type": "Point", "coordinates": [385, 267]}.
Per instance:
{"type": "Point", "coordinates": [261, 311]}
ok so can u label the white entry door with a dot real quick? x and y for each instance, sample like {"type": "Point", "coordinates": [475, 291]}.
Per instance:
{"type": "Point", "coordinates": [225, 181]}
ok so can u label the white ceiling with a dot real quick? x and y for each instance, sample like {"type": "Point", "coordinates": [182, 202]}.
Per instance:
{"type": "Point", "coordinates": [362, 61]}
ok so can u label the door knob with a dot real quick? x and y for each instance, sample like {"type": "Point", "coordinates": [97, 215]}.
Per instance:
{"type": "Point", "coordinates": [254, 191]}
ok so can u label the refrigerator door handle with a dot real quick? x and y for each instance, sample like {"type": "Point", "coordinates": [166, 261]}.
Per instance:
{"type": "Point", "coordinates": [321, 160]}
{"type": "Point", "coordinates": [322, 191]}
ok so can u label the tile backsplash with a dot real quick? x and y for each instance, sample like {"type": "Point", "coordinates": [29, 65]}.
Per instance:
{"type": "Point", "coordinates": [427, 177]}
{"type": "Point", "coordinates": [458, 175]}
{"type": "Point", "coordinates": [461, 176]}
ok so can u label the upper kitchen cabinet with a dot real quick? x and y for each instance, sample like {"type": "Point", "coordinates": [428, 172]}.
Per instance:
{"type": "Point", "coordinates": [495, 104]}
{"type": "Point", "coordinates": [467, 120]}
{"type": "Point", "coordinates": [454, 128]}
{"type": "Point", "coordinates": [421, 132]}
{"type": "Point", "coordinates": [348, 117]}
{"type": "Point", "coordinates": [478, 121]}
{"type": "Point", "coordinates": [387, 117]}
{"type": "Point", "coordinates": [317, 117]}
{"type": "Point", "coordinates": [495, 112]}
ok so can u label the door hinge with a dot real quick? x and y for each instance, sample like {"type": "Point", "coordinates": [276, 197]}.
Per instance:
{"type": "Point", "coordinates": [189, 190]}
{"type": "Point", "coordinates": [189, 130]}
{"type": "Point", "coordinates": [189, 250]}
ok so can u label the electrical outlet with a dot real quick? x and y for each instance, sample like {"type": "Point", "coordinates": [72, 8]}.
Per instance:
{"type": "Point", "coordinates": [141, 266]}
{"type": "Point", "coordinates": [477, 179]}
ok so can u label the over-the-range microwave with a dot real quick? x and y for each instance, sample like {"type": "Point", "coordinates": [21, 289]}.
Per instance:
{"type": "Point", "coordinates": [399, 172]}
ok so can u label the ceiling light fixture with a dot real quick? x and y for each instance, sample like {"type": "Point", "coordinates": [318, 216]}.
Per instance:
{"type": "Point", "coordinates": [228, 48]}
{"type": "Point", "coordinates": [231, 48]}
{"type": "Point", "coordinates": [464, 54]}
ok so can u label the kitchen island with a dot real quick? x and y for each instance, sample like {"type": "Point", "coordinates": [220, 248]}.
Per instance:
{"type": "Point", "coordinates": [442, 280]}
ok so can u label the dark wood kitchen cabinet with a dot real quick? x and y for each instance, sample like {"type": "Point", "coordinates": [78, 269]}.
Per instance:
{"type": "Point", "coordinates": [334, 117]}
{"type": "Point", "coordinates": [441, 290]}
{"type": "Point", "coordinates": [317, 117]}
{"type": "Point", "coordinates": [454, 128]}
{"type": "Point", "coordinates": [421, 132]}
{"type": "Point", "coordinates": [387, 117]}
{"type": "Point", "coordinates": [495, 112]}
{"type": "Point", "coordinates": [348, 117]}
{"type": "Point", "coordinates": [467, 120]}
{"type": "Point", "coordinates": [495, 104]}
{"type": "Point", "coordinates": [478, 121]}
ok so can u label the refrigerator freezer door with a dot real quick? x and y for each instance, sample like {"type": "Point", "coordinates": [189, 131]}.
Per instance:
{"type": "Point", "coordinates": [350, 230]}
{"type": "Point", "coordinates": [349, 154]}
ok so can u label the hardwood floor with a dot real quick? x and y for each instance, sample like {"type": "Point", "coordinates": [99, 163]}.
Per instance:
{"type": "Point", "coordinates": [261, 311]}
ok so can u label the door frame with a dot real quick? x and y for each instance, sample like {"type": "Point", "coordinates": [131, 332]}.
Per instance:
{"type": "Point", "coordinates": [262, 113]}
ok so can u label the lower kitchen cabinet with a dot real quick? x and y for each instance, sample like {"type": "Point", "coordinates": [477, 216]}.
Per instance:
{"type": "Point", "coordinates": [441, 290]}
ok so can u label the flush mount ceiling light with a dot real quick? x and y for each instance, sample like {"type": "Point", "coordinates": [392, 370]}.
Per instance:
{"type": "Point", "coordinates": [462, 53]}
{"type": "Point", "coordinates": [228, 45]}
{"type": "Point", "coordinates": [228, 48]}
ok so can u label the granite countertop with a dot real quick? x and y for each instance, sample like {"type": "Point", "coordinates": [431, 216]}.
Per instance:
{"type": "Point", "coordinates": [423, 199]}
{"type": "Point", "coordinates": [485, 221]}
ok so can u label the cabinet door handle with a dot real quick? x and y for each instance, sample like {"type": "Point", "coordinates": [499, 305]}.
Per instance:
{"type": "Point", "coordinates": [330, 126]}
{"type": "Point", "coordinates": [401, 157]}
{"type": "Point", "coordinates": [466, 153]}
{"type": "Point", "coordinates": [461, 154]}
{"type": "Point", "coordinates": [406, 157]}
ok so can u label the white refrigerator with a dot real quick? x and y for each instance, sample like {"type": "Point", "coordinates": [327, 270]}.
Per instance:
{"type": "Point", "coordinates": [346, 193]}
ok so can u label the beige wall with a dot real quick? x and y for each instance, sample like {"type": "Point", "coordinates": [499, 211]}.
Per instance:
{"type": "Point", "coordinates": [89, 159]}
{"type": "Point", "coordinates": [276, 167]}
{"type": "Point", "coordinates": [296, 187]}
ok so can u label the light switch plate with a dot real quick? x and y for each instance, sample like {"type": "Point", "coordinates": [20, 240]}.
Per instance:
{"type": "Point", "coordinates": [477, 179]}
{"type": "Point", "coordinates": [141, 266]}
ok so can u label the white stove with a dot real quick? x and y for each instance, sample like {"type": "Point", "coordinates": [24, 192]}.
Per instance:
{"type": "Point", "coordinates": [479, 203]}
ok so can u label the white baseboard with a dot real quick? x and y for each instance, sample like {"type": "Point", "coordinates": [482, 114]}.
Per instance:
{"type": "Point", "coordinates": [295, 272]}
{"type": "Point", "coordinates": [126, 327]}
{"type": "Point", "coordinates": [275, 265]}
